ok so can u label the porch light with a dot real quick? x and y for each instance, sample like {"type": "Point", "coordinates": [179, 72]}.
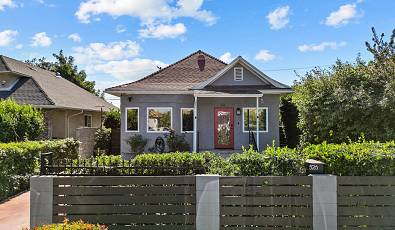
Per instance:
{"type": "Point", "coordinates": [238, 111]}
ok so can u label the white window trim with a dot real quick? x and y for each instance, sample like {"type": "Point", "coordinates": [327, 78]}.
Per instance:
{"type": "Point", "coordinates": [171, 119]}
{"type": "Point", "coordinates": [234, 73]}
{"type": "Point", "coordinates": [267, 119]}
{"type": "Point", "coordinates": [182, 131]}
{"type": "Point", "coordinates": [126, 120]}
{"type": "Point", "coordinates": [88, 115]}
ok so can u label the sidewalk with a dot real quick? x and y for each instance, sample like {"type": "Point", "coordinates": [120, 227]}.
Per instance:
{"type": "Point", "coordinates": [14, 214]}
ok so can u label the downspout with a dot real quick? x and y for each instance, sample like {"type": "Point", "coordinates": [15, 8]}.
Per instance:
{"type": "Point", "coordinates": [68, 121]}
{"type": "Point", "coordinates": [195, 147]}
{"type": "Point", "coordinates": [257, 123]}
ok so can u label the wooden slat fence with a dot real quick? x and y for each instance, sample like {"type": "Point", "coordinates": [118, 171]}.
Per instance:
{"type": "Point", "coordinates": [127, 202]}
{"type": "Point", "coordinates": [366, 202]}
{"type": "Point", "coordinates": [266, 202]}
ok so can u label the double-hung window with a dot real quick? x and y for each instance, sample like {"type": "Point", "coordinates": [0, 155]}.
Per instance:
{"type": "Point", "coordinates": [249, 119]}
{"type": "Point", "coordinates": [159, 119]}
{"type": "Point", "coordinates": [132, 119]}
{"type": "Point", "coordinates": [186, 120]}
{"type": "Point", "coordinates": [88, 121]}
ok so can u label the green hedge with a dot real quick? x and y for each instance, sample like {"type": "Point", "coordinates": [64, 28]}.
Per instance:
{"type": "Point", "coordinates": [20, 160]}
{"type": "Point", "coordinates": [75, 225]}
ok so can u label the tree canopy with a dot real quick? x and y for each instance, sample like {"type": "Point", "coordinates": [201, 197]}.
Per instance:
{"type": "Point", "coordinates": [65, 66]}
{"type": "Point", "coordinates": [350, 100]}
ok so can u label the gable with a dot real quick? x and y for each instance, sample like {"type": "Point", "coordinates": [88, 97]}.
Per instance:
{"type": "Point", "coordinates": [26, 91]}
{"type": "Point", "coordinates": [249, 78]}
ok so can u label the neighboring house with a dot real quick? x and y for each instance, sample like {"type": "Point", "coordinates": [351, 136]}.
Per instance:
{"type": "Point", "coordinates": [66, 106]}
{"type": "Point", "coordinates": [213, 103]}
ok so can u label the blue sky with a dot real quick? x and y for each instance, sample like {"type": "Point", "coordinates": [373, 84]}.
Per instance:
{"type": "Point", "coordinates": [118, 41]}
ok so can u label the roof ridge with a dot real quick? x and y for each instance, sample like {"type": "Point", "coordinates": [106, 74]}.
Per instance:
{"type": "Point", "coordinates": [5, 63]}
{"type": "Point", "coordinates": [173, 64]}
{"type": "Point", "coordinates": [26, 64]}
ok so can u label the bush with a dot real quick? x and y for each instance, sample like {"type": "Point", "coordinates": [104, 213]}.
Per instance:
{"type": "Point", "coordinates": [112, 119]}
{"type": "Point", "coordinates": [176, 142]}
{"type": "Point", "coordinates": [360, 158]}
{"type": "Point", "coordinates": [103, 140]}
{"type": "Point", "coordinates": [20, 160]}
{"type": "Point", "coordinates": [274, 161]}
{"type": "Point", "coordinates": [137, 143]}
{"type": "Point", "coordinates": [19, 122]}
{"type": "Point", "coordinates": [76, 225]}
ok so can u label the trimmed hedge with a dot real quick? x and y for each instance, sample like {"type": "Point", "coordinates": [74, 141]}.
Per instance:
{"type": "Point", "coordinates": [20, 160]}
{"type": "Point", "coordinates": [75, 225]}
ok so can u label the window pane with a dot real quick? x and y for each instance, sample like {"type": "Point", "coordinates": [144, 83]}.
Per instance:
{"type": "Point", "coordinates": [132, 120]}
{"type": "Point", "coordinates": [159, 119]}
{"type": "Point", "coordinates": [88, 121]}
{"type": "Point", "coordinates": [187, 120]}
{"type": "Point", "coordinates": [250, 118]}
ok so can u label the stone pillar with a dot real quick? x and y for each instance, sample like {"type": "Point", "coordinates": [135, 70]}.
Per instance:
{"type": "Point", "coordinates": [87, 138]}
{"type": "Point", "coordinates": [41, 200]}
{"type": "Point", "coordinates": [207, 202]}
{"type": "Point", "coordinates": [324, 202]}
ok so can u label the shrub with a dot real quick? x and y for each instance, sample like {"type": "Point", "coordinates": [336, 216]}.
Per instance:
{"type": "Point", "coordinates": [103, 140]}
{"type": "Point", "coordinates": [75, 225]}
{"type": "Point", "coordinates": [19, 122]}
{"type": "Point", "coordinates": [360, 158]}
{"type": "Point", "coordinates": [112, 119]}
{"type": "Point", "coordinates": [137, 143]}
{"type": "Point", "coordinates": [176, 142]}
{"type": "Point", "coordinates": [274, 161]}
{"type": "Point", "coordinates": [20, 160]}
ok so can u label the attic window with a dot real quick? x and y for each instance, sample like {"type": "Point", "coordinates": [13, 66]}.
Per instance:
{"type": "Point", "coordinates": [238, 74]}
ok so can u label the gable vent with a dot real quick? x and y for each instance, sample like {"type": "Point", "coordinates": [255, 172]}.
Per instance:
{"type": "Point", "coordinates": [238, 73]}
{"type": "Point", "coordinates": [201, 62]}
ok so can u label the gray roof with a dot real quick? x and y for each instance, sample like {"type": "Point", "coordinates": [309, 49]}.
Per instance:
{"type": "Point", "coordinates": [185, 75]}
{"type": "Point", "coordinates": [44, 89]}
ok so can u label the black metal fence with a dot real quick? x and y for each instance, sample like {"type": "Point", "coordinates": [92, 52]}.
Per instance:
{"type": "Point", "coordinates": [94, 167]}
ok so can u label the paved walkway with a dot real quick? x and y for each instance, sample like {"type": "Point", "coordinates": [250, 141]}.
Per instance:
{"type": "Point", "coordinates": [14, 214]}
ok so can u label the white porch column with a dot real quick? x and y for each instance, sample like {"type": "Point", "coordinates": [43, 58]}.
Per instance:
{"type": "Point", "coordinates": [257, 123]}
{"type": "Point", "coordinates": [195, 125]}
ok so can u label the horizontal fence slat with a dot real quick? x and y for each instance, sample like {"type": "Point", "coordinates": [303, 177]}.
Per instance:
{"type": "Point", "coordinates": [124, 180]}
{"type": "Point", "coordinates": [366, 180]}
{"type": "Point", "coordinates": [260, 211]}
{"type": "Point", "coordinates": [123, 209]}
{"type": "Point", "coordinates": [265, 190]}
{"type": "Point", "coordinates": [126, 199]}
{"type": "Point", "coordinates": [365, 200]}
{"type": "Point", "coordinates": [371, 220]}
{"type": "Point", "coordinates": [119, 190]}
{"type": "Point", "coordinates": [152, 227]}
{"type": "Point", "coordinates": [130, 219]}
{"type": "Point", "coordinates": [228, 200]}
{"type": "Point", "coordinates": [366, 190]}
{"type": "Point", "coordinates": [266, 180]}
{"type": "Point", "coordinates": [258, 220]}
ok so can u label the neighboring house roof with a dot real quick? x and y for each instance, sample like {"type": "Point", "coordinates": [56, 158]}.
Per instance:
{"type": "Point", "coordinates": [44, 89]}
{"type": "Point", "coordinates": [184, 76]}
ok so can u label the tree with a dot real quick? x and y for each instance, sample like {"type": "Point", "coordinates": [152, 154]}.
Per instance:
{"type": "Point", "coordinates": [65, 66]}
{"type": "Point", "coordinates": [19, 122]}
{"type": "Point", "coordinates": [350, 99]}
{"type": "Point", "coordinates": [112, 119]}
{"type": "Point", "coordinates": [289, 120]}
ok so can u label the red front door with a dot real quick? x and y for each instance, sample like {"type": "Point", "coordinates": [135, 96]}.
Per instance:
{"type": "Point", "coordinates": [223, 128]}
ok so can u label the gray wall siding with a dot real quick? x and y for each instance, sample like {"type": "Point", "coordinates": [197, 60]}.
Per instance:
{"type": "Point", "coordinates": [143, 101]}
{"type": "Point", "coordinates": [228, 78]}
{"type": "Point", "coordinates": [205, 118]}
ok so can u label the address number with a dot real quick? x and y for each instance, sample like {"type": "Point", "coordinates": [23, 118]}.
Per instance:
{"type": "Point", "coordinates": [313, 167]}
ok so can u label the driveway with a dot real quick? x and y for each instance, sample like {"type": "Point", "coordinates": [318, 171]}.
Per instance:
{"type": "Point", "coordinates": [14, 214]}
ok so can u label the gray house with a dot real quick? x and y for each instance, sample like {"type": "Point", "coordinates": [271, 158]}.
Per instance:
{"type": "Point", "coordinates": [212, 103]}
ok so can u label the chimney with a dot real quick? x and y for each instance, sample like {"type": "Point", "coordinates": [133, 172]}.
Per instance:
{"type": "Point", "coordinates": [201, 62]}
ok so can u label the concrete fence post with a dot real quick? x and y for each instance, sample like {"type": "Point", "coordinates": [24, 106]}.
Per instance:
{"type": "Point", "coordinates": [41, 200]}
{"type": "Point", "coordinates": [324, 202]}
{"type": "Point", "coordinates": [207, 202]}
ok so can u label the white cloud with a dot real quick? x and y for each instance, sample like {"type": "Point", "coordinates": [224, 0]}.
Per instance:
{"type": "Point", "coordinates": [7, 37]}
{"type": "Point", "coordinates": [6, 3]}
{"type": "Point", "coordinates": [279, 18]}
{"type": "Point", "coordinates": [120, 28]}
{"type": "Point", "coordinates": [129, 69]}
{"type": "Point", "coordinates": [320, 47]}
{"type": "Point", "coordinates": [264, 55]}
{"type": "Point", "coordinates": [226, 57]}
{"type": "Point", "coordinates": [41, 39]}
{"type": "Point", "coordinates": [342, 16]}
{"type": "Point", "coordinates": [106, 52]}
{"type": "Point", "coordinates": [163, 31]}
{"type": "Point", "coordinates": [74, 37]}
{"type": "Point", "coordinates": [147, 10]}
